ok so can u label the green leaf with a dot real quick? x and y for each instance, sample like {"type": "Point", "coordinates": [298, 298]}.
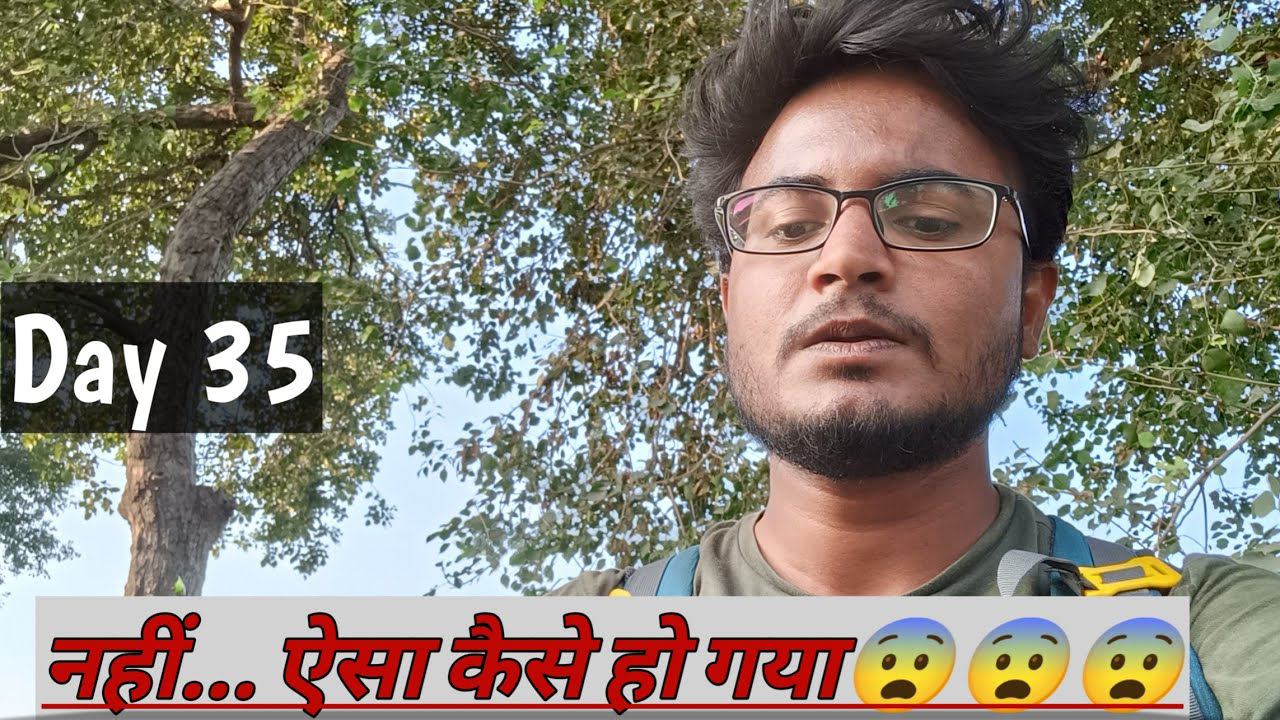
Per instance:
{"type": "Point", "coordinates": [1225, 39]}
{"type": "Point", "coordinates": [1244, 79]}
{"type": "Point", "coordinates": [1144, 272]}
{"type": "Point", "coordinates": [1052, 399]}
{"type": "Point", "coordinates": [1234, 322]}
{"type": "Point", "coordinates": [412, 252]}
{"type": "Point", "coordinates": [1147, 439]}
{"type": "Point", "coordinates": [1041, 364]}
{"type": "Point", "coordinates": [179, 587]}
{"type": "Point", "coordinates": [1096, 286]}
{"type": "Point", "coordinates": [1197, 126]}
{"type": "Point", "coordinates": [1264, 504]}
{"type": "Point", "coordinates": [1267, 103]}
{"type": "Point", "coordinates": [1215, 359]}
{"type": "Point", "coordinates": [1131, 433]}
{"type": "Point", "coordinates": [447, 341]}
{"type": "Point", "coordinates": [1166, 287]}
{"type": "Point", "coordinates": [1211, 19]}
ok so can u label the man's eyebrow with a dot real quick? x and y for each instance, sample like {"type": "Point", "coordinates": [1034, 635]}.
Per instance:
{"type": "Point", "coordinates": [802, 179]}
{"type": "Point", "coordinates": [914, 173]}
{"type": "Point", "coordinates": [1002, 637]}
{"type": "Point", "coordinates": [823, 181]}
{"type": "Point", "coordinates": [1119, 637]}
{"type": "Point", "coordinates": [886, 639]}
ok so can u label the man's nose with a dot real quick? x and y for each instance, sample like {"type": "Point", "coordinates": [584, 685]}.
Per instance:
{"type": "Point", "coordinates": [853, 253]}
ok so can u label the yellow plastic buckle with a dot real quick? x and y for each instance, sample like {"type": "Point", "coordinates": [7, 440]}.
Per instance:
{"type": "Point", "coordinates": [1156, 574]}
{"type": "Point", "coordinates": [619, 592]}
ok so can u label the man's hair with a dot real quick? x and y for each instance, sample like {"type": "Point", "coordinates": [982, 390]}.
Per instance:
{"type": "Point", "coordinates": [1023, 94]}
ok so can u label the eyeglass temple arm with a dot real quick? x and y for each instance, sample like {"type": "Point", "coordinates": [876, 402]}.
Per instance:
{"type": "Point", "coordinates": [1022, 218]}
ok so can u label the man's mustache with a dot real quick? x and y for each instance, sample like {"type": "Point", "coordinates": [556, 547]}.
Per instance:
{"type": "Point", "coordinates": [864, 307]}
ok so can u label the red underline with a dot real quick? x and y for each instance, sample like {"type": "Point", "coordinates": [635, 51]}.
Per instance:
{"type": "Point", "coordinates": [605, 706]}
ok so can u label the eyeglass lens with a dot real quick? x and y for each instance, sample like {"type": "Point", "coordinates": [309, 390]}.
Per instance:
{"type": "Point", "coordinates": [924, 215]}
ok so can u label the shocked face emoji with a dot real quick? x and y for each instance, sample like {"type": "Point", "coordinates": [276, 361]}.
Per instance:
{"type": "Point", "coordinates": [906, 662]}
{"type": "Point", "coordinates": [1019, 663]}
{"type": "Point", "coordinates": [1134, 663]}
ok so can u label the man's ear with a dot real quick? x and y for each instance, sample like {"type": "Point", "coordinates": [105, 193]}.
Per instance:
{"type": "Point", "coordinates": [724, 291]}
{"type": "Point", "coordinates": [1038, 292]}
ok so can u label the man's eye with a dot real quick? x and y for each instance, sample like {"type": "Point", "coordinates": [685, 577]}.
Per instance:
{"type": "Point", "coordinates": [924, 226]}
{"type": "Point", "coordinates": [793, 231]}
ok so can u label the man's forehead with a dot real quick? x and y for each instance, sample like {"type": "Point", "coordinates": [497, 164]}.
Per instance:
{"type": "Point", "coordinates": [865, 128]}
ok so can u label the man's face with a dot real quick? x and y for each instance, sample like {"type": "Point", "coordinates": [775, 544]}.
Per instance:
{"type": "Point", "coordinates": [957, 321]}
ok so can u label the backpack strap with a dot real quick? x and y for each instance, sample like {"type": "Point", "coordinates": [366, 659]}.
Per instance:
{"type": "Point", "coordinates": [1095, 563]}
{"type": "Point", "coordinates": [1204, 704]}
{"type": "Point", "coordinates": [1070, 551]}
{"type": "Point", "coordinates": [1080, 565]}
{"type": "Point", "coordinates": [670, 577]}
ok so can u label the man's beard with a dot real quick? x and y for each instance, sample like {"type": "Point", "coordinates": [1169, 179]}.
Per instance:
{"type": "Point", "coordinates": [878, 439]}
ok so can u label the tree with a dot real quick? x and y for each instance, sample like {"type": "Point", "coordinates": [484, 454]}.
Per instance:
{"type": "Point", "coordinates": [125, 155]}
{"type": "Point", "coordinates": [26, 533]}
{"type": "Point", "coordinates": [551, 264]}
{"type": "Point", "coordinates": [1170, 303]}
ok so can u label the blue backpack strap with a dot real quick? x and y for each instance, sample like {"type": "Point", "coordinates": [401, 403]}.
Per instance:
{"type": "Point", "coordinates": [671, 576]}
{"type": "Point", "coordinates": [1067, 543]}
{"type": "Point", "coordinates": [677, 579]}
{"type": "Point", "coordinates": [1204, 704]}
{"type": "Point", "coordinates": [1070, 544]}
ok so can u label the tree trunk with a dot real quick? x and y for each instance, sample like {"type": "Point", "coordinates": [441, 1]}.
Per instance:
{"type": "Point", "coordinates": [175, 521]}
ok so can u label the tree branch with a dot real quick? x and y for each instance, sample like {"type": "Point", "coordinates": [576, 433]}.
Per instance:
{"type": "Point", "coordinates": [39, 187]}
{"type": "Point", "coordinates": [1173, 519]}
{"type": "Point", "coordinates": [237, 14]}
{"type": "Point", "coordinates": [20, 146]}
{"type": "Point", "coordinates": [199, 248]}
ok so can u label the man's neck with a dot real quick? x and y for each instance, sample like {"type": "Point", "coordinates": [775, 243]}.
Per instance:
{"type": "Point", "coordinates": [877, 536]}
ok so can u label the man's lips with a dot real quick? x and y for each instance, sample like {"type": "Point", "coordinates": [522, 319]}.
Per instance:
{"type": "Point", "coordinates": [854, 347]}
{"type": "Point", "coordinates": [858, 335]}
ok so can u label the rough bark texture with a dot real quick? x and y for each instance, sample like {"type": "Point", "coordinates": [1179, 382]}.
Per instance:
{"type": "Point", "coordinates": [175, 521]}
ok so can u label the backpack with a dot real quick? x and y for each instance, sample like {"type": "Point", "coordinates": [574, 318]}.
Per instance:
{"type": "Point", "coordinates": [1079, 565]}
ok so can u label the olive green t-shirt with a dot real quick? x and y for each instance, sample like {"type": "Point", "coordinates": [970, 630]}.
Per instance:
{"type": "Point", "coordinates": [1235, 608]}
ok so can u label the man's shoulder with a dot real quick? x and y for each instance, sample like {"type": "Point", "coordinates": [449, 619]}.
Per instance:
{"type": "Point", "coordinates": [1213, 580]}
{"type": "Point", "coordinates": [714, 545]}
{"type": "Point", "coordinates": [1235, 623]}
{"type": "Point", "coordinates": [591, 582]}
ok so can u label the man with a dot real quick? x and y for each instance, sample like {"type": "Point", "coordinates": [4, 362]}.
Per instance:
{"type": "Point", "coordinates": [873, 335]}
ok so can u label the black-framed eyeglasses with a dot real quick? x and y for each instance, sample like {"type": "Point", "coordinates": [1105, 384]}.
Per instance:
{"type": "Point", "coordinates": [927, 213]}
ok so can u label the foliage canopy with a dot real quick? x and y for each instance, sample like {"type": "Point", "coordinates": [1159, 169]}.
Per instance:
{"type": "Point", "coordinates": [547, 262]}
